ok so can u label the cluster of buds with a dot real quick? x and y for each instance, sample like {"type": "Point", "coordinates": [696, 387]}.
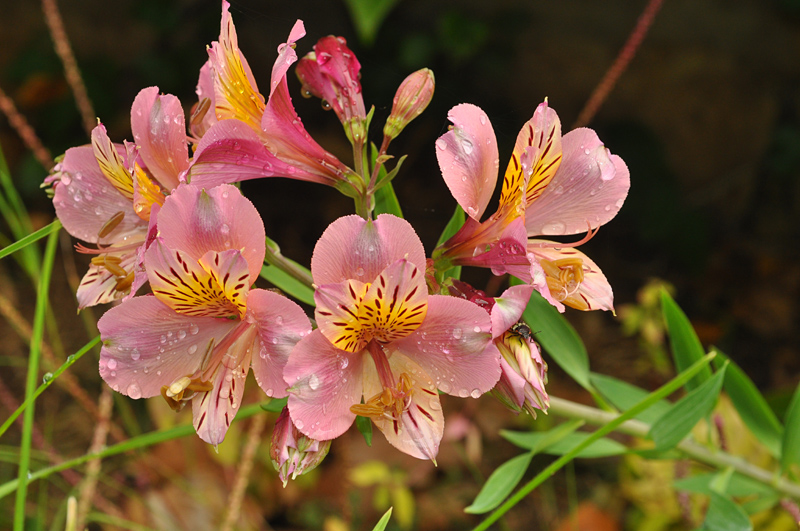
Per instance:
{"type": "Point", "coordinates": [292, 452]}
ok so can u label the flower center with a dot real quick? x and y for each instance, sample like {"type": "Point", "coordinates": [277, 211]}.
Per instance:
{"type": "Point", "coordinates": [564, 276]}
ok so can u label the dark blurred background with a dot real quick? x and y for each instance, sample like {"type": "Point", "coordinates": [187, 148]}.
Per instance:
{"type": "Point", "coordinates": [707, 117]}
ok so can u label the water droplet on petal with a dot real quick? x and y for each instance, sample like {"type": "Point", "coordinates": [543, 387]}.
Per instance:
{"type": "Point", "coordinates": [181, 334]}
{"type": "Point", "coordinates": [112, 364]}
{"type": "Point", "coordinates": [477, 329]}
{"type": "Point", "coordinates": [299, 424]}
{"type": "Point", "coordinates": [192, 349]}
{"type": "Point", "coordinates": [463, 393]}
{"type": "Point", "coordinates": [134, 391]}
{"type": "Point", "coordinates": [135, 354]}
{"type": "Point", "coordinates": [475, 393]}
{"type": "Point", "coordinates": [313, 382]}
{"type": "Point", "coordinates": [360, 271]}
{"type": "Point", "coordinates": [225, 228]}
{"type": "Point", "coordinates": [457, 333]}
{"type": "Point", "coordinates": [441, 144]}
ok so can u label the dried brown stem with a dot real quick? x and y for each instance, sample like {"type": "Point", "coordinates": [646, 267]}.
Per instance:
{"type": "Point", "coordinates": [66, 380]}
{"type": "Point", "coordinates": [242, 474]}
{"type": "Point", "coordinates": [56, 26]}
{"type": "Point", "coordinates": [620, 64]}
{"type": "Point", "coordinates": [87, 491]}
{"type": "Point", "coordinates": [25, 131]}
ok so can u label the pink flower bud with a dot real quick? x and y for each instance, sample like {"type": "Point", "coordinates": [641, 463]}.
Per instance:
{"type": "Point", "coordinates": [412, 97]}
{"type": "Point", "coordinates": [524, 372]}
{"type": "Point", "coordinates": [292, 452]}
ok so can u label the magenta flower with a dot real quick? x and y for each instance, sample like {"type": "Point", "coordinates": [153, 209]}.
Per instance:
{"type": "Point", "coordinates": [244, 135]}
{"type": "Point", "coordinates": [204, 329]}
{"type": "Point", "coordinates": [331, 72]}
{"type": "Point", "coordinates": [104, 193]}
{"type": "Point", "coordinates": [552, 186]}
{"type": "Point", "coordinates": [384, 346]}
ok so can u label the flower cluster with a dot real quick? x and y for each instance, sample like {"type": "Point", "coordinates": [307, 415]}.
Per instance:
{"type": "Point", "coordinates": [392, 329]}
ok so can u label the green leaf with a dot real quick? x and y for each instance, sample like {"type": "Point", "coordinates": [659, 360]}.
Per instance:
{"type": "Point", "coordinates": [500, 484]}
{"type": "Point", "coordinates": [453, 226]}
{"type": "Point", "coordinates": [686, 346]}
{"type": "Point", "coordinates": [364, 425]}
{"type": "Point", "coordinates": [386, 201]}
{"type": "Point", "coordinates": [623, 396]}
{"type": "Point", "coordinates": [676, 423]}
{"type": "Point", "coordinates": [558, 337]}
{"type": "Point", "coordinates": [508, 475]}
{"type": "Point", "coordinates": [285, 282]}
{"type": "Point", "coordinates": [275, 405]}
{"type": "Point", "coordinates": [381, 525]}
{"type": "Point", "coordinates": [724, 515]}
{"type": "Point", "coordinates": [367, 17]}
{"type": "Point", "coordinates": [751, 405]}
{"type": "Point", "coordinates": [533, 440]}
{"type": "Point", "coordinates": [738, 485]}
{"type": "Point", "coordinates": [790, 453]}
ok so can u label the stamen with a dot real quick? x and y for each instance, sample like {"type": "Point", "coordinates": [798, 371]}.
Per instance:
{"type": "Point", "coordinates": [558, 245]}
{"type": "Point", "coordinates": [110, 225]}
{"type": "Point", "coordinates": [564, 276]}
{"type": "Point", "coordinates": [390, 403]}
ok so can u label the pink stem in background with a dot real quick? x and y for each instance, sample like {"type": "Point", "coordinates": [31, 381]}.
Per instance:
{"type": "Point", "coordinates": [613, 74]}
{"type": "Point", "coordinates": [56, 26]}
{"type": "Point", "coordinates": [25, 131]}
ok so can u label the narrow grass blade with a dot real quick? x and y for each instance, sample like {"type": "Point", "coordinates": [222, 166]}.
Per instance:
{"type": "Point", "coordinates": [43, 290]}
{"type": "Point", "coordinates": [790, 449]}
{"type": "Point", "coordinates": [30, 238]}
{"type": "Point", "coordinates": [48, 381]}
{"type": "Point", "coordinates": [686, 346]}
{"type": "Point", "coordinates": [381, 525]}
{"type": "Point", "coordinates": [531, 440]}
{"type": "Point", "coordinates": [134, 443]}
{"type": "Point", "coordinates": [660, 393]}
{"type": "Point", "coordinates": [676, 423]}
{"type": "Point", "coordinates": [506, 477]}
{"type": "Point", "coordinates": [623, 395]}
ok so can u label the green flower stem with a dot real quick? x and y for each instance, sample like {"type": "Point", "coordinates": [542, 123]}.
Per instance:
{"type": "Point", "coordinates": [290, 267]}
{"type": "Point", "coordinates": [48, 381]}
{"type": "Point", "coordinates": [612, 424]}
{"type": "Point", "coordinates": [142, 441]}
{"type": "Point", "coordinates": [33, 375]}
{"type": "Point", "coordinates": [703, 454]}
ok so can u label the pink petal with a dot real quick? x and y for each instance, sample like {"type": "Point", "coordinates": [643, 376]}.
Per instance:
{"type": "Point", "coordinates": [205, 90]}
{"type": "Point", "coordinates": [419, 429]}
{"type": "Point", "coordinates": [468, 158]}
{"type": "Point", "coordinates": [235, 91]}
{"type": "Point", "coordinates": [99, 285]}
{"type": "Point", "coordinates": [213, 411]}
{"type": "Point", "coordinates": [159, 129]}
{"type": "Point", "coordinates": [352, 247]}
{"type": "Point", "coordinates": [587, 191]}
{"type": "Point", "coordinates": [539, 153]}
{"type": "Point", "coordinates": [323, 383]}
{"type": "Point", "coordinates": [85, 200]}
{"type": "Point", "coordinates": [281, 324]}
{"type": "Point", "coordinates": [139, 272]}
{"type": "Point", "coordinates": [286, 55]}
{"type": "Point", "coordinates": [196, 221]}
{"type": "Point", "coordinates": [284, 134]}
{"type": "Point", "coordinates": [508, 308]}
{"type": "Point", "coordinates": [146, 345]}
{"type": "Point", "coordinates": [594, 291]}
{"type": "Point", "coordinates": [231, 151]}
{"type": "Point", "coordinates": [454, 347]}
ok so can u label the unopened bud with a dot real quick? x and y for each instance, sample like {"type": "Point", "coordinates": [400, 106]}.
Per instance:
{"type": "Point", "coordinates": [523, 373]}
{"type": "Point", "coordinates": [412, 97]}
{"type": "Point", "coordinates": [293, 453]}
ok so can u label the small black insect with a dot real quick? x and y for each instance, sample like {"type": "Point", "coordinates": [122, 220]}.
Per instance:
{"type": "Point", "coordinates": [522, 330]}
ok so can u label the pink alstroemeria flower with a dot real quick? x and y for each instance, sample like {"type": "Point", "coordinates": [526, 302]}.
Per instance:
{"type": "Point", "coordinates": [104, 193]}
{"type": "Point", "coordinates": [383, 339]}
{"type": "Point", "coordinates": [552, 186]}
{"type": "Point", "coordinates": [244, 136]}
{"type": "Point", "coordinates": [204, 329]}
{"type": "Point", "coordinates": [331, 72]}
